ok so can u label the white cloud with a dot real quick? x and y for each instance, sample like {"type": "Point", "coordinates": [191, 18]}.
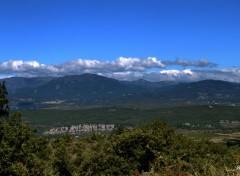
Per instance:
{"type": "Point", "coordinates": [188, 71]}
{"type": "Point", "coordinates": [19, 66]}
{"type": "Point", "coordinates": [79, 66]}
{"type": "Point", "coordinates": [123, 68]}
{"type": "Point", "coordinates": [170, 72]}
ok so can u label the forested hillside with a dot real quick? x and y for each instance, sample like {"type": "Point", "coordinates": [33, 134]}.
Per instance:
{"type": "Point", "coordinates": [91, 90]}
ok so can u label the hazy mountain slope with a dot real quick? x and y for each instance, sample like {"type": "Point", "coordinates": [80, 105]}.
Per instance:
{"type": "Point", "coordinates": [202, 91]}
{"type": "Point", "coordinates": [150, 86]}
{"type": "Point", "coordinates": [93, 89]}
{"type": "Point", "coordinates": [15, 83]}
{"type": "Point", "coordinates": [83, 86]}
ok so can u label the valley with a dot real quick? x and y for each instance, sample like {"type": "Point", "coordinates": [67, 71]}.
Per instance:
{"type": "Point", "coordinates": [215, 122]}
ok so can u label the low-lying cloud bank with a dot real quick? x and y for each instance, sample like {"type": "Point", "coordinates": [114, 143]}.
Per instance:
{"type": "Point", "coordinates": [187, 75]}
{"type": "Point", "coordinates": [123, 69]}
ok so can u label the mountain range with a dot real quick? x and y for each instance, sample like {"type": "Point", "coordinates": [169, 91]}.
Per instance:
{"type": "Point", "coordinates": [91, 89]}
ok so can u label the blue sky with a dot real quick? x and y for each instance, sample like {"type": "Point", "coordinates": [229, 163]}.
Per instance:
{"type": "Point", "coordinates": [44, 37]}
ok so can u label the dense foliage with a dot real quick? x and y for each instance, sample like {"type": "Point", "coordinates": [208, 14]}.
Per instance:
{"type": "Point", "coordinates": [151, 149]}
{"type": "Point", "coordinates": [4, 110]}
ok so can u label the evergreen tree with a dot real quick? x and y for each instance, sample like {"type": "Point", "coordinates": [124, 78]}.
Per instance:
{"type": "Point", "coordinates": [4, 109]}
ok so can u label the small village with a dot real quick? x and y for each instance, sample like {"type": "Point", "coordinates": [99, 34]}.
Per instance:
{"type": "Point", "coordinates": [80, 129]}
{"type": "Point", "coordinates": [229, 124]}
{"type": "Point", "coordinates": [222, 123]}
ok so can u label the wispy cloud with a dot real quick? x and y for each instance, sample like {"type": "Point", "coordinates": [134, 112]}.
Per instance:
{"type": "Point", "coordinates": [186, 63]}
{"type": "Point", "coordinates": [124, 69]}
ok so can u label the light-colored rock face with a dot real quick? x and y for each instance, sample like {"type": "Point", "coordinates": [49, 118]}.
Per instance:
{"type": "Point", "coordinates": [79, 129]}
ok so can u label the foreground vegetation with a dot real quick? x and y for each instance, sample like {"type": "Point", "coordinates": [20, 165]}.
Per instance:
{"type": "Point", "coordinates": [149, 149]}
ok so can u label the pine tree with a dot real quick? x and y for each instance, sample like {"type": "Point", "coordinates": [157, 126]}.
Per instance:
{"type": "Point", "coordinates": [4, 109]}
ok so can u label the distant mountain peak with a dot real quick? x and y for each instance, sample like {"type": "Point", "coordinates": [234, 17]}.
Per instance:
{"type": "Point", "coordinates": [94, 89]}
{"type": "Point", "coordinates": [142, 81]}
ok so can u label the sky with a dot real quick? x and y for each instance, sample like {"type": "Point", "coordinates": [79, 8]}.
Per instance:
{"type": "Point", "coordinates": [156, 40]}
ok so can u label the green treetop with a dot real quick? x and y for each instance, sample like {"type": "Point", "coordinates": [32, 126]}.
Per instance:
{"type": "Point", "coordinates": [4, 109]}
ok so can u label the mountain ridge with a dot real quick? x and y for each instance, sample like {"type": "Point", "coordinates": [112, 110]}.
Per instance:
{"type": "Point", "coordinates": [92, 89]}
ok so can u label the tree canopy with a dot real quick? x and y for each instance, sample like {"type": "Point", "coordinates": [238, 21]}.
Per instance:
{"type": "Point", "coordinates": [4, 109]}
